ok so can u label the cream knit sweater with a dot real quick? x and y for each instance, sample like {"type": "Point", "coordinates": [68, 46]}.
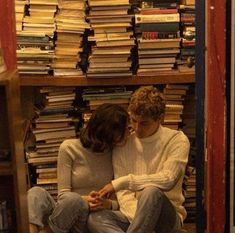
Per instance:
{"type": "Point", "coordinates": [158, 160]}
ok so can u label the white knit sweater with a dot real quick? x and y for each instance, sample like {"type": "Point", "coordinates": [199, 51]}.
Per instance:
{"type": "Point", "coordinates": [158, 160]}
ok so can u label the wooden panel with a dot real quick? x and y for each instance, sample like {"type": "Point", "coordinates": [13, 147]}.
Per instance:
{"type": "Point", "coordinates": [18, 167]}
{"type": "Point", "coordinates": [9, 81]}
{"type": "Point", "coordinates": [231, 202]}
{"type": "Point", "coordinates": [216, 115]}
{"type": "Point", "coordinates": [172, 77]}
{"type": "Point", "coordinates": [8, 32]}
{"type": "Point", "coordinates": [4, 129]}
{"type": "Point", "coordinates": [7, 194]}
{"type": "Point", "coordinates": [5, 168]}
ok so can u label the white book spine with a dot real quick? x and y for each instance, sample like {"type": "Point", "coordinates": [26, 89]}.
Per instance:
{"type": "Point", "coordinates": [160, 18]}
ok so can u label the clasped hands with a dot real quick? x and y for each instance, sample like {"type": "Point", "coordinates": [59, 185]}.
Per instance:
{"type": "Point", "coordinates": [98, 200]}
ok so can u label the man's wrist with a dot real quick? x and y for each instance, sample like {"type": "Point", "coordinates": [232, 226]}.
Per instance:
{"type": "Point", "coordinates": [121, 183]}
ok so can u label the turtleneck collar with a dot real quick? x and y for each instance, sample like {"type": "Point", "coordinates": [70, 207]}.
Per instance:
{"type": "Point", "coordinates": [153, 137]}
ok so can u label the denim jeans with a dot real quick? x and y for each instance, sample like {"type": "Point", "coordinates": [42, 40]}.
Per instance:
{"type": "Point", "coordinates": [155, 213]}
{"type": "Point", "coordinates": [69, 214]}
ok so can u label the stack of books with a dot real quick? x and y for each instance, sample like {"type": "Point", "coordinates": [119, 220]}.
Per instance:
{"type": "Point", "coordinates": [188, 31]}
{"type": "Point", "coordinates": [54, 122]}
{"type": "Point", "coordinates": [94, 97]}
{"type": "Point", "coordinates": [189, 128]}
{"type": "Point", "coordinates": [158, 36]}
{"type": "Point", "coordinates": [35, 47]}
{"type": "Point", "coordinates": [20, 13]}
{"type": "Point", "coordinates": [189, 190]}
{"type": "Point", "coordinates": [111, 39]}
{"type": "Point", "coordinates": [174, 96]}
{"type": "Point", "coordinates": [71, 25]}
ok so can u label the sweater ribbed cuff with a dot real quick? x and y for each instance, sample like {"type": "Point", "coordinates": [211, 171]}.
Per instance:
{"type": "Point", "coordinates": [121, 183]}
{"type": "Point", "coordinates": [115, 205]}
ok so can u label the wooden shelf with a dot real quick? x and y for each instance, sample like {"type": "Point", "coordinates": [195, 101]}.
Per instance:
{"type": "Point", "coordinates": [160, 78]}
{"type": "Point", "coordinates": [5, 168]}
{"type": "Point", "coordinates": [5, 77]}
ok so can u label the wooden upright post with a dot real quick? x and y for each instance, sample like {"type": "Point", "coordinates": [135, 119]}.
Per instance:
{"type": "Point", "coordinates": [8, 32]}
{"type": "Point", "coordinates": [216, 115]}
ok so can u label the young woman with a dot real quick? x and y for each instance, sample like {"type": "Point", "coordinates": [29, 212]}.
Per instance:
{"type": "Point", "coordinates": [84, 166]}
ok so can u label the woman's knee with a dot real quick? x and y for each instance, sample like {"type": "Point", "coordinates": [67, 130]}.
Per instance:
{"type": "Point", "coordinates": [73, 200]}
{"type": "Point", "coordinates": [36, 191]}
{"type": "Point", "coordinates": [40, 206]}
{"type": "Point", "coordinates": [38, 196]}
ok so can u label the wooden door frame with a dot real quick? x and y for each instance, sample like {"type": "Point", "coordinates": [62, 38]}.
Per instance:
{"type": "Point", "coordinates": [215, 113]}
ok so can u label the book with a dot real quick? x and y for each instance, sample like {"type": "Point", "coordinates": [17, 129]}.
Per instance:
{"type": "Point", "coordinates": [157, 60]}
{"type": "Point", "coordinates": [43, 134]}
{"type": "Point", "coordinates": [42, 160]}
{"type": "Point", "coordinates": [46, 180]}
{"type": "Point", "coordinates": [113, 43]}
{"type": "Point", "coordinates": [175, 91]}
{"type": "Point", "coordinates": [153, 27]}
{"type": "Point", "coordinates": [45, 175]}
{"type": "Point", "coordinates": [44, 2]}
{"type": "Point", "coordinates": [160, 35]}
{"type": "Point", "coordinates": [159, 43]}
{"type": "Point", "coordinates": [157, 18]}
{"type": "Point", "coordinates": [93, 3]}
{"type": "Point", "coordinates": [154, 11]}
{"type": "Point", "coordinates": [188, 2]}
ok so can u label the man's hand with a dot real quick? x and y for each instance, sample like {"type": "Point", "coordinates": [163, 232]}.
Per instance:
{"type": "Point", "coordinates": [106, 190]}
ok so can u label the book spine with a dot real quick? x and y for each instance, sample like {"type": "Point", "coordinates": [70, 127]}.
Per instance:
{"type": "Point", "coordinates": [161, 18]}
{"type": "Point", "coordinates": [159, 35]}
{"type": "Point", "coordinates": [153, 11]}
{"type": "Point", "coordinates": [162, 27]}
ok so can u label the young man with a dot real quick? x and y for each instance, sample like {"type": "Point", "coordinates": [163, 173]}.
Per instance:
{"type": "Point", "coordinates": [149, 171]}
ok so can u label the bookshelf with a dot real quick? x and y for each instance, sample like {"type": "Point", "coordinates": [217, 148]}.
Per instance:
{"type": "Point", "coordinates": [12, 169]}
{"type": "Point", "coordinates": [31, 81]}
{"type": "Point", "coordinates": [160, 78]}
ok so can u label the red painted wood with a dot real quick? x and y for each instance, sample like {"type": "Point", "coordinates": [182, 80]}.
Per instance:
{"type": "Point", "coordinates": [8, 32]}
{"type": "Point", "coordinates": [215, 114]}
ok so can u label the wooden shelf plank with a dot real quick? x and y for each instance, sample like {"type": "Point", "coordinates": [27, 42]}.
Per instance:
{"type": "Point", "coordinates": [160, 78]}
{"type": "Point", "coordinates": [5, 77]}
{"type": "Point", "coordinates": [5, 168]}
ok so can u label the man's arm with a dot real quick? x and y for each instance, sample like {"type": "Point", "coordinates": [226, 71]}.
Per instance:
{"type": "Point", "coordinates": [165, 179]}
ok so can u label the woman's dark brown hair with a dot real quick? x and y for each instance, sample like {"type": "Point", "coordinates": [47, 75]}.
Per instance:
{"type": "Point", "coordinates": [106, 125]}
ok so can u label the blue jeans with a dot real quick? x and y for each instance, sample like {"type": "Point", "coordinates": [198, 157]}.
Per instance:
{"type": "Point", "coordinates": [155, 213]}
{"type": "Point", "coordinates": [69, 214]}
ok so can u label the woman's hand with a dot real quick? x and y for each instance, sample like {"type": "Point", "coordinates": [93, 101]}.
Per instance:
{"type": "Point", "coordinates": [96, 202]}
{"type": "Point", "coordinates": [92, 200]}
{"type": "Point", "coordinates": [106, 190]}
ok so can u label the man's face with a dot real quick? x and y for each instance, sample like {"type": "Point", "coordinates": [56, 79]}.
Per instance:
{"type": "Point", "coordinates": [144, 126]}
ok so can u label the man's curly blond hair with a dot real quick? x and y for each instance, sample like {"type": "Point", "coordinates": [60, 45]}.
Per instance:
{"type": "Point", "coordinates": [147, 101]}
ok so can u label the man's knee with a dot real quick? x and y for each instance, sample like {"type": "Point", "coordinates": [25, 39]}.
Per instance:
{"type": "Point", "coordinates": [151, 193]}
{"type": "Point", "coordinates": [94, 221]}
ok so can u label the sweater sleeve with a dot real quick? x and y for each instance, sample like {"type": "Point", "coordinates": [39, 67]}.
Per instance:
{"type": "Point", "coordinates": [167, 177]}
{"type": "Point", "coordinates": [65, 162]}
